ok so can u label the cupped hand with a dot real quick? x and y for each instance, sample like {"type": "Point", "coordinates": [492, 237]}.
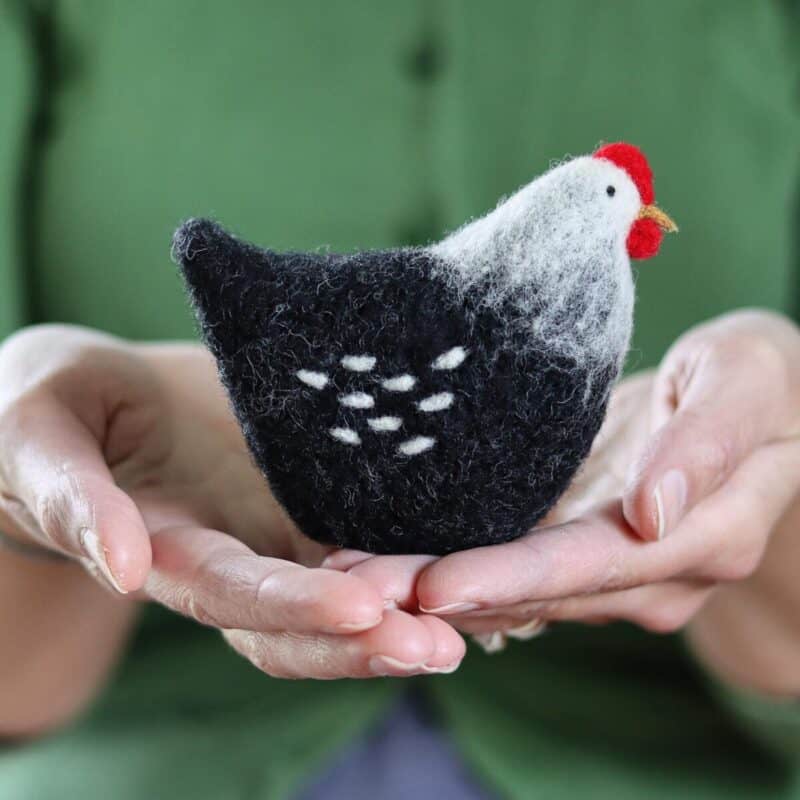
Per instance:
{"type": "Point", "coordinates": [695, 468]}
{"type": "Point", "coordinates": [126, 458]}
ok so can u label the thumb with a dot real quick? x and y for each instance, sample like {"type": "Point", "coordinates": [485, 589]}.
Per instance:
{"type": "Point", "coordinates": [65, 497]}
{"type": "Point", "coordinates": [715, 405]}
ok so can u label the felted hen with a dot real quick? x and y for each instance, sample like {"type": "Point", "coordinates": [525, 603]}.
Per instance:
{"type": "Point", "coordinates": [431, 399]}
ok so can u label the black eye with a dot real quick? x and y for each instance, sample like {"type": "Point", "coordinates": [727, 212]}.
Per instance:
{"type": "Point", "coordinates": [610, 191]}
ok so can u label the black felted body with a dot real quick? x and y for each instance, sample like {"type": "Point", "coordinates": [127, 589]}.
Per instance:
{"type": "Point", "coordinates": [521, 423]}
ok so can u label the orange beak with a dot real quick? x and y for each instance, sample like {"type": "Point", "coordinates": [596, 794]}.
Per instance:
{"type": "Point", "coordinates": [661, 218]}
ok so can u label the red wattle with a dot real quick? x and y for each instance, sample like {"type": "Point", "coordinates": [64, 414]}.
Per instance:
{"type": "Point", "coordinates": [633, 161]}
{"type": "Point", "coordinates": [644, 239]}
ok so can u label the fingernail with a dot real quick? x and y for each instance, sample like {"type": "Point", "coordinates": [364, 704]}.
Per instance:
{"type": "Point", "coordinates": [97, 575]}
{"type": "Point", "coordinates": [355, 627]}
{"type": "Point", "coordinates": [494, 642]}
{"type": "Point", "coordinates": [343, 560]}
{"type": "Point", "coordinates": [386, 665]}
{"type": "Point", "coordinates": [445, 670]}
{"type": "Point", "coordinates": [452, 608]}
{"type": "Point", "coordinates": [97, 553]}
{"type": "Point", "coordinates": [527, 631]}
{"type": "Point", "coordinates": [329, 562]}
{"type": "Point", "coordinates": [670, 497]}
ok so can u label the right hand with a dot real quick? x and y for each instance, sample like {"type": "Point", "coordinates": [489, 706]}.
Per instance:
{"type": "Point", "coordinates": [127, 459]}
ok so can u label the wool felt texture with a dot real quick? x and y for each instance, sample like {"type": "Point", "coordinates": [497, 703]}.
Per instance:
{"type": "Point", "coordinates": [645, 235]}
{"type": "Point", "coordinates": [426, 400]}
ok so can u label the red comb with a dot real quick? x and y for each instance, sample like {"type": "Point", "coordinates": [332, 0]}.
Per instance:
{"type": "Point", "coordinates": [633, 161]}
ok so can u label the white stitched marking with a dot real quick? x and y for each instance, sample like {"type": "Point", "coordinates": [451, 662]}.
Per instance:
{"type": "Point", "coordinates": [402, 383]}
{"type": "Point", "coordinates": [357, 400]}
{"type": "Point", "coordinates": [385, 423]}
{"type": "Point", "coordinates": [317, 380]}
{"type": "Point", "coordinates": [436, 402]}
{"type": "Point", "coordinates": [419, 444]}
{"type": "Point", "coordinates": [358, 363]}
{"type": "Point", "coordinates": [451, 359]}
{"type": "Point", "coordinates": [345, 435]}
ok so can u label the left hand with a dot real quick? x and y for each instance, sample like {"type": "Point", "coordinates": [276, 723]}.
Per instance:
{"type": "Point", "coordinates": [684, 494]}
{"type": "Point", "coordinates": [125, 459]}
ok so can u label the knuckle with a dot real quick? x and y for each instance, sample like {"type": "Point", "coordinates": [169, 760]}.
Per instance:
{"type": "Point", "coordinates": [263, 665]}
{"type": "Point", "coordinates": [533, 550]}
{"type": "Point", "coordinates": [15, 513]}
{"type": "Point", "coordinates": [273, 584]}
{"type": "Point", "coordinates": [43, 358]}
{"type": "Point", "coordinates": [754, 346]}
{"type": "Point", "coordinates": [738, 566]}
{"type": "Point", "coordinates": [182, 599]}
{"type": "Point", "coordinates": [250, 645]}
{"type": "Point", "coordinates": [264, 661]}
{"type": "Point", "coordinates": [52, 513]}
{"type": "Point", "coordinates": [618, 573]}
{"type": "Point", "coordinates": [760, 349]}
{"type": "Point", "coordinates": [535, 608]}
{"type": "Point", "coordinates": [20, 342]}
{"type": "Point", "coordinates": [286, 655]}
{"type": "Point", "coordinates": [22, 413]}
{"type": "Point", "coordinates": [312, 605]}
{"type": "Point", "coordinates": [765, 352]}
{"type": "Point", "coordinates": [35, 334]}
{"type": "Point", "coordinates": [553, 611]}
{"type": "Point", "coordinates": [200, 611]}
{"type": "Point", "coordinates": [261, 651]}
{"type": "Point", "coordinates": [273, 592]}
{"type": "Point", "coordinates": [73, 507]}
{"type": "Point", "coordinates": [715, 454]}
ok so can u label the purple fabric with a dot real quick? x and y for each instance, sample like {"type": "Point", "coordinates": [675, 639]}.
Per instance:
{"type": "Point", "coordinates": [406, 756]}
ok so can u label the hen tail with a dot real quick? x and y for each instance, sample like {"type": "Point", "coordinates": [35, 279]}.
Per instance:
{"type": "Point", "coordinates": [221, 272]}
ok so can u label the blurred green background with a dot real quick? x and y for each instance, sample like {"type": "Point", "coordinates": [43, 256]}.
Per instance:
{"type": "Point", "coordinates": [354, 125]}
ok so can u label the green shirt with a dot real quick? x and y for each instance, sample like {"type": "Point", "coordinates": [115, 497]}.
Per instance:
{"type": "Point", "coordinates": [360, 125]}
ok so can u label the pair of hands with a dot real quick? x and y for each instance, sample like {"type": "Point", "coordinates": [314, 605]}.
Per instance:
{"type": "Point", "coordinates": [126, 458]}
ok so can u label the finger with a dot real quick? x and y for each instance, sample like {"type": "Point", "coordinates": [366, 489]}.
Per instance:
{"type": "Point", "coordinates": [219, 581]}
{"type": "Point", "coordinates": [594, 553]}
{"type": "Point", "coordinates": [449, 647]}
{"type": "Point", "coordinates": [394, 577]}
{"type": "Point", "coordinates": [722, 540]}
{"type": "Point", "coordinates": [728, 533]}
{"type": "Point", "coordinates": [59, 484]}
{"type": "Point", "coordinates": [344, 559]}
{"type": "Point", "coordinates": [659, 608]}
{"type": "Point", "coordinates": [501, 623]}
{"type": "Point", "coordinates": [714, 419]}
{"type": "Point", "coordinates": [400, 646]}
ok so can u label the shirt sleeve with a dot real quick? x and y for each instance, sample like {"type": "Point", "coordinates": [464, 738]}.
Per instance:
{"type": "Point", "coordinates": [16, 93]}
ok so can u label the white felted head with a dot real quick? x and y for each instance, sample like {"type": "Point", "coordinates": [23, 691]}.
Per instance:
{"type": "Point", "coordinates": [559, 250]}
